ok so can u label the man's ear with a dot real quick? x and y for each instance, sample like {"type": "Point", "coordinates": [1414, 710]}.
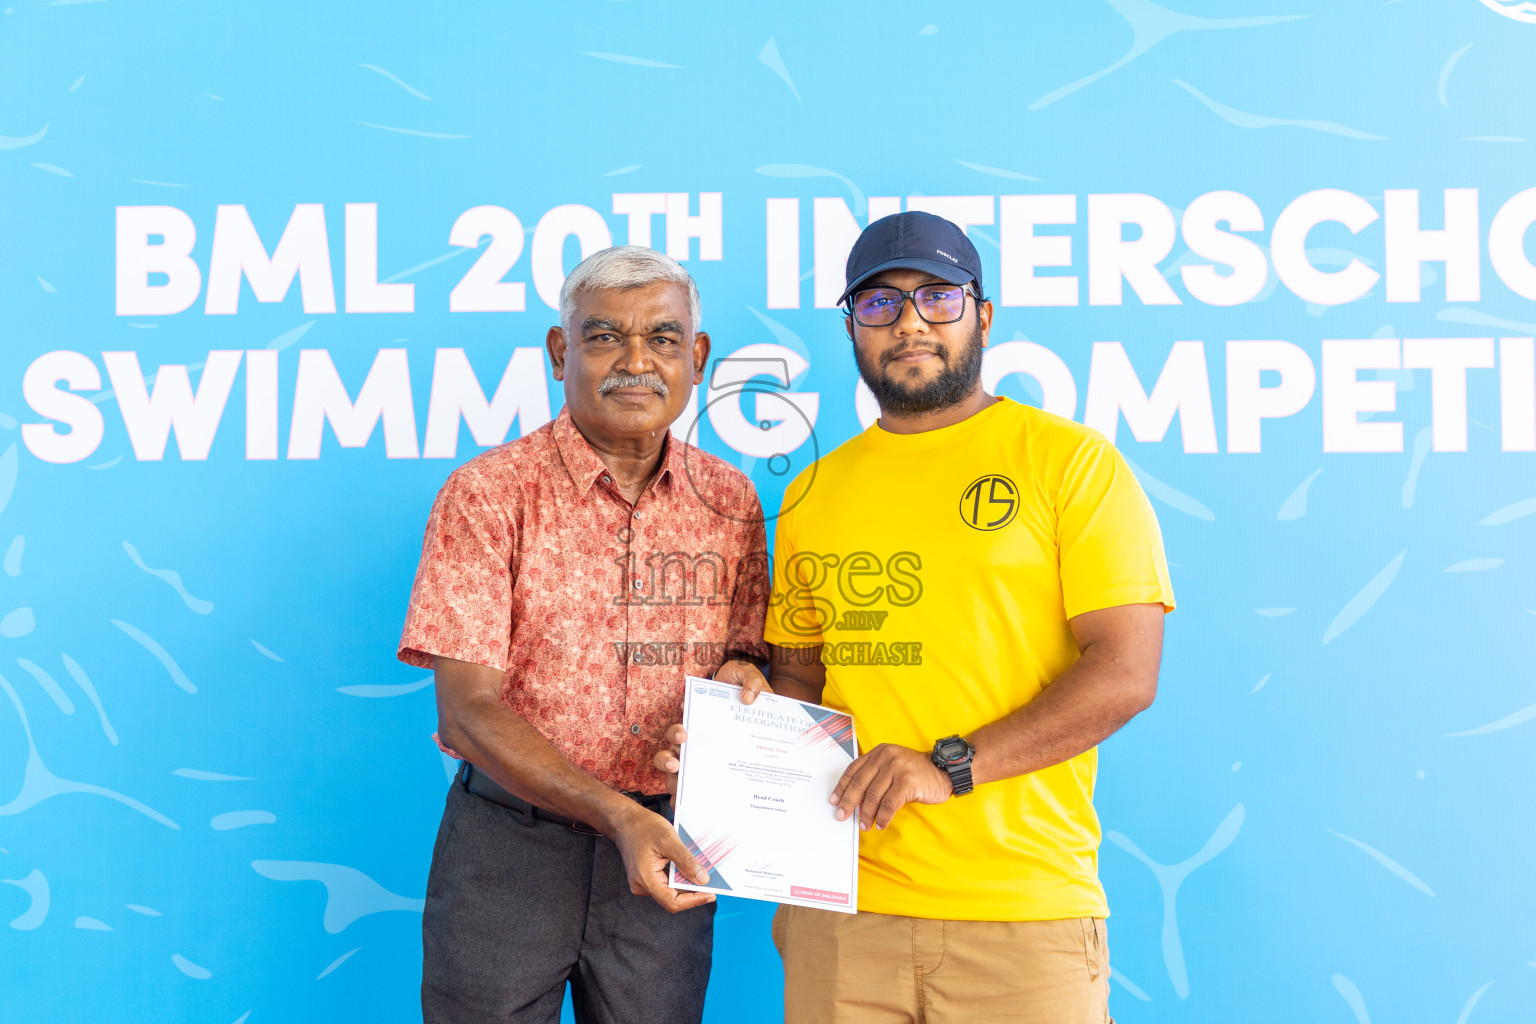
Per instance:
{"type": "Point", "coordinates": [984, 313]}
{"type": "Point", "coordinates": [701, 345]}
{"type": "Point", "coordinates": [554, 341]}
{"type": "Point", "coordinates": [848, 326]}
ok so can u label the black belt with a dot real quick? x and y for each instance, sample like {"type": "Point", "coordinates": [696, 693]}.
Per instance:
{"type": "Point", "coordinates": [483, 786]}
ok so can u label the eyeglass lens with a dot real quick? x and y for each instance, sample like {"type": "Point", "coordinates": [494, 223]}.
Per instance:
{"type": "Point", "coordinates": [936, 303]}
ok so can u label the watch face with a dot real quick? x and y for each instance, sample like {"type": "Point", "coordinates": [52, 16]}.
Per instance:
{"type": "Point", "coordinates": [953, 751]}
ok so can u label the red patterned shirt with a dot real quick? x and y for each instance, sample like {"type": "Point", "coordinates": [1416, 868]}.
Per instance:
{"type": "Point", "coordinates": [594, 609]}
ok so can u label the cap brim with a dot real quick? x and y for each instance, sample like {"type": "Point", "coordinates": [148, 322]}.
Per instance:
{"type": "Point", "coordinates": [939, 269]}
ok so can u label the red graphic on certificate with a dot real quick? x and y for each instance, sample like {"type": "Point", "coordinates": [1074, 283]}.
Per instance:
{"type": "Point", "coordinates": [832, 730]}
{"type": "Point", "coordinates": [821, 895]}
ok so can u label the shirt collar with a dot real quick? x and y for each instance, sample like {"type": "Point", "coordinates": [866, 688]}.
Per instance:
{"type": "Point", "coordinates": [586, 466]}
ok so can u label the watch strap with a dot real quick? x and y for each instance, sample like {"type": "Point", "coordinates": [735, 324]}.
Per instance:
{"type": "Point", "coordinates": [960, 777]}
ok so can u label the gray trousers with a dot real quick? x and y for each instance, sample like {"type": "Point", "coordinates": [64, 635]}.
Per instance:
{"type": "Point", "coordinates": [515, 910]}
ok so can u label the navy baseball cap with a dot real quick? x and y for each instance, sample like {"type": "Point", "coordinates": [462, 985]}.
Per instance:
{"type": "Point", "coordinates": [914, 240]}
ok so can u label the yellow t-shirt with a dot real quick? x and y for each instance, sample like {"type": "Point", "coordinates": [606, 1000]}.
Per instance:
{"type": "Point", "coordinates": [939, 571]}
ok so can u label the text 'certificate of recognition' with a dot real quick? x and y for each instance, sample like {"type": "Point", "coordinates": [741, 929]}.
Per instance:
{"type": "Point", "coordinates": [752, 798]}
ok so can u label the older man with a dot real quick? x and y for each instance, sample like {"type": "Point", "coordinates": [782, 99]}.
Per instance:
{"type": "Point", "coordinates": [568, 580]}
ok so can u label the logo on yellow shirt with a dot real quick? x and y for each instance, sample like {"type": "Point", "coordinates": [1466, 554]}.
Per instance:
{"type": "Point", "coordinates": [990, 503]}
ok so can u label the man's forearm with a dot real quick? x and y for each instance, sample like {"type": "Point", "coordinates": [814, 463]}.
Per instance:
{"type": "Point", "coordinates": [501, 743]}
{"type": "Point", "coordinates": [787, 686]}
{"type": "Point", "coordinates": [797, 672]}
{"type": "Point", "coordinates": [1084, 706]}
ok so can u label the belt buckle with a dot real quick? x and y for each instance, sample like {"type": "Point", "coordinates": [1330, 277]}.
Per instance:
{"type": "Point", "coordinates": [582, 828]}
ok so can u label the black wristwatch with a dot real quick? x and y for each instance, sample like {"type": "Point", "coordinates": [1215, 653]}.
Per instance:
{"type": "Point", "coordinates": [953, 755]}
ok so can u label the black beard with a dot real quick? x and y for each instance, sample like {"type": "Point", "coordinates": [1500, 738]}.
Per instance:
{"type": "Point", "coordinates": [954, 383]}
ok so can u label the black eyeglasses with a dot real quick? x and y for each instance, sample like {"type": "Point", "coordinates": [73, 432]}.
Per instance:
{"type": "Point", "coordinates": [935, 303]}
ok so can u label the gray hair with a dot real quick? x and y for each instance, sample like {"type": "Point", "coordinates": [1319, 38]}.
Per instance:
{"type": "Point", "coordinates": [624, 267]}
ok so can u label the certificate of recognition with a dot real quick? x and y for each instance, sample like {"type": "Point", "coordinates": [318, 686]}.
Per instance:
{"type": "Point", "coordinates": [752, 798]}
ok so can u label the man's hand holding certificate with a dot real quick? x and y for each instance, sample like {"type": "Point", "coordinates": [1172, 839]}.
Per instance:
{"type": "Point", "coordinates": [752, 798]}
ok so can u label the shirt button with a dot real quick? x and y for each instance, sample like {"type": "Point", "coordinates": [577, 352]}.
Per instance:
{"type": "Point", "coordinates": [607, 479]}
{"type": "Point", "coordinates": [637, 514]}
{"type": "Point", "coordinates": [638, 584]}
{"type": "Point", "coordinates": [634, 730]}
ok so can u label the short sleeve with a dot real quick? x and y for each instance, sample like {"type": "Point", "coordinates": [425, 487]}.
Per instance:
{"type": "Point", "coordinates": [461, 604]}
{"type": "Point", "coordinates": [1110, 545]}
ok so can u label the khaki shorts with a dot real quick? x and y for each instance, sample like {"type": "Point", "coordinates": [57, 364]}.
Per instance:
{"type": "Point", "coordinates": [881, 968]}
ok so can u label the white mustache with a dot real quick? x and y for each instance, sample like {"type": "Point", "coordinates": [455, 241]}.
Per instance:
{"type": "Point", "coordinates": [624, 380]}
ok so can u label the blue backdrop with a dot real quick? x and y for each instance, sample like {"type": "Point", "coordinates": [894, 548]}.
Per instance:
{"type": "Point", "coordinates": [217, 791]}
